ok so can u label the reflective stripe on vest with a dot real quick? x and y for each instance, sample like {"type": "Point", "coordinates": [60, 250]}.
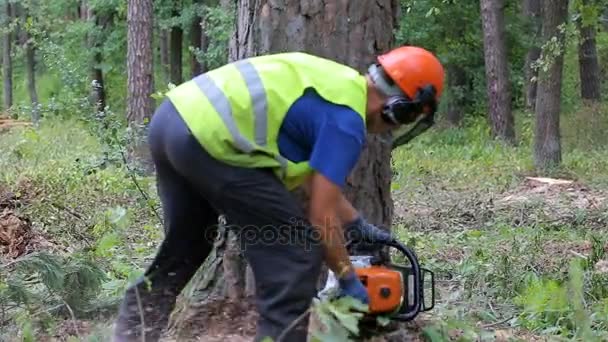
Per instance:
{"type": "Point", "coordinates": [221, 104]}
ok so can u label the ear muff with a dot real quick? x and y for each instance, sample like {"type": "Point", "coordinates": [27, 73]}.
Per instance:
{"type": "Point", "coordinates": [400, 110]}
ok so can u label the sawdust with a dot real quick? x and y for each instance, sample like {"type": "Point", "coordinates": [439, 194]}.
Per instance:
{"type": "Point", "coordinates": [555, 192]}
{"type": "Point", "coordinates": [535, 200]}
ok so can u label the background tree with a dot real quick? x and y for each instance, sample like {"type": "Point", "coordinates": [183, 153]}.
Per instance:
{"type": "Point", "coordinates": [589, 69]}
{"type": "Point", "coordinates": [139, 59]}
{"type": "Point", "coordinates": [547, 144]}
{"type": "Point", "coordinates": [175, 44]}
{"type": "Point", "coordinates": [531, 10]}
{"type": "Point", "coordinates": [497, 70]}
{"type": "Point", "coordinates": [7, 60]}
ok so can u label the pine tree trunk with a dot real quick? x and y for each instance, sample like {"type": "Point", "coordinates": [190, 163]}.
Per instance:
{"type": "Point", "coordinates": [175, 56]}
{"type": "Point", "coordinates": [7, 63]}
{"type": "Point", "coordinates": [140, 79]}
{"type": "Point", "coordinates": [532, 10]}
{"type": "Point", "coordinates": [457, 82]}
{"type": "Point", "coordinates": [589, 68]}
{"type": "Point", "coordinates": [139, 58]}
{"type": "Point", "coordinates": [196, 41]}
{"type": "Point", "coordinates": [163, 46]}
{"type": "Point", "coordinates": [497, 70]}
{"type": "Point", "coordinates": [30, 68]}
{"type": "Point", "coordinates": [547, 145]}
{"type": "Point", "coordinates": [30, 62]}
{"type": "Point", "coordinates": [98, 93]}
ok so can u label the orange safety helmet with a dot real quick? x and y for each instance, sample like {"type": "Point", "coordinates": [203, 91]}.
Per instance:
{"type": "Point", "coordinates": [412, 79]}
{"type": "Point", "coordinates": [412, 68]}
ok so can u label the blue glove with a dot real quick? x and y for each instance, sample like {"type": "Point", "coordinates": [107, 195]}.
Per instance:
{"type": "Point", "coordinates": [350, 285]}
{"type": "Point", "coordinates": [362, 231]}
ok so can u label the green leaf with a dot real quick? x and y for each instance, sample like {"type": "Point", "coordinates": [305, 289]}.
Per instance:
{"type": "Point", "coordinates": [107, 242]}
{"type": "Point", "coordinates": [348, 319]}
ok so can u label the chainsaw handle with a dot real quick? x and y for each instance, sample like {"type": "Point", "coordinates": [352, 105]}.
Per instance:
{"type": "Point", "coordinates": [413, 259]}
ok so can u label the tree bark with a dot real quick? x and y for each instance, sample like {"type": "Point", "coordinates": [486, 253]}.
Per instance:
{"type": "Point", "coordinates": [547, 145]}
{"type": "Point", "coordinates": [589, 68]}
{"type": "Point", "coordinates": [457, 82]}
{"type": "Point", "coordinates": [176, 41]}
{"type": "Point", "coordinates": [139, 58]}
{"type": "Point", "coordinates": [95, 42]}
{"type": "Point", "coordinates": [7, 63]}
{"type": "Point", "coordinates": [196, 40]}
{"type": "Point", "coordinates": [532, 10]}
{"type": "Point", "coordinates": [163, 37]}
{"type": "Point", "coordinates": [30, 70]}
{"type": "Point", "coordinates": [497, 70]}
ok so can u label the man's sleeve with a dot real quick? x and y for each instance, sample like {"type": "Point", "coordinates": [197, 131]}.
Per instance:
{"type": "Point", "coordinates": [338, 145]}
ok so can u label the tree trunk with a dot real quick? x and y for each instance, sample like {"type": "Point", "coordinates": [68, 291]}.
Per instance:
{"type": "Point", "coordinates": [176, 51]}
{"type": "Point", "coordinates": [457, 81]}
{"type": "Point", "coordinates": [24, 40]}
{"type": "Point", "coordinates": [589, 68]}
{"type": "Point", "coordinates": [140, 79]}
{"type": "Point", "coordinates": [196, 40]}
{"type": "Point", "coordinates": [547, 146]}
{"type": "Point", "coordinates": [532, 10]}
{"type": "Point", "coordinates": [139, 58]}
{"type": "Point", "coordinates": [497, 70]}
{"type": "Point", "coordinates": [95, 42]}
{"type": "Point", "coordinates": [163, 46]}
{"type": "Point", "coordinates": [7, 63]}
{"type": "Point", "coordinates": [30, 69]}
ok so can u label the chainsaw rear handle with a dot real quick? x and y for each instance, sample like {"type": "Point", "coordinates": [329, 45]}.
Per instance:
{"type": "Point", "coordinates": [413, 259]}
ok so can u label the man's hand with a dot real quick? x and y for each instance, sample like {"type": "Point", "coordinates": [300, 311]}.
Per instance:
{"type": "Point", "coordinates": [324, 198]}
{"type": "Point", "coordinates": [360, 230]}
{"type": "Point", "coordinates": [350, 285]}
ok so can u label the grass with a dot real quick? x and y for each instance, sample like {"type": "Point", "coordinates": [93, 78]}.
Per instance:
{"type": "Point", "coordinates": [502, 269]}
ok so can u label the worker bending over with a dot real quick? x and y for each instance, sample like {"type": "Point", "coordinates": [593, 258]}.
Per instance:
{"type": "Point", "coordinates": [236, 140]}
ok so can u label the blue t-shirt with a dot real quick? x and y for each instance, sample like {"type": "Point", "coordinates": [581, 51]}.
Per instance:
{"type": "Point", "coordinates": [328, 135]}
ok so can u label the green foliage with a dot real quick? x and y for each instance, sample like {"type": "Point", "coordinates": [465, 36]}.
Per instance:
{"type": "Point", "coordinates": [340, 319]}
{"type": "Point", "coordinates": [452, 29]}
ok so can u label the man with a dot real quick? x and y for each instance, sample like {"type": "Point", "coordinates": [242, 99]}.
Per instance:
{"type": "Point", "coordinates": [236, 140]}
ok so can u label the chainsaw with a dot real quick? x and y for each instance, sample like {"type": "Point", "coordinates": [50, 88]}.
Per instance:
{"type": "Point", "coordinates": [395, 291]}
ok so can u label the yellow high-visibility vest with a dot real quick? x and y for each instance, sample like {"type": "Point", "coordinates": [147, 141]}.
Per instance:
{"type": "Point", "coordinates": [235, 112]}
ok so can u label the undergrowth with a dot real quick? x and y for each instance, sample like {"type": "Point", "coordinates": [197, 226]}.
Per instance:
{"type": "Point", "coordinates": [91, 208]}
{"type": "Point", "coordinates": [513, 261]}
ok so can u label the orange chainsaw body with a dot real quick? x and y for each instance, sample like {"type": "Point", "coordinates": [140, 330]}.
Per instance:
{"type": "Point", "coordinates": [385, 288]}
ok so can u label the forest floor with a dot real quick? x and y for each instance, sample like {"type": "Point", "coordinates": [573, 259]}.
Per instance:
{"type": "Point", "coordinates": [515, 257]}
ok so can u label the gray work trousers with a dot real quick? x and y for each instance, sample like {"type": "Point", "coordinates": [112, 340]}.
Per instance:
{"type": "Point", "coordinates": [275, 235]}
